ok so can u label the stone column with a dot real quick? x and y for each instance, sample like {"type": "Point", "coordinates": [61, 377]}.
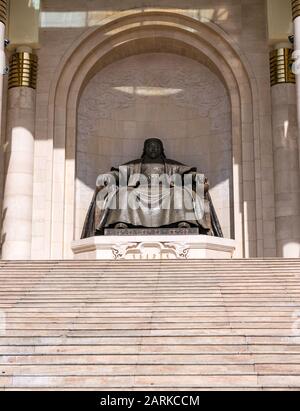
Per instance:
{"type": "Point", "coordinates": [3, 18]}
{"type": "Point", "coordinates": [18, 191]}
{"type": "Point", "coordinates": [296, 18]}
{"type": "Point", "coordinates": [285, 152]}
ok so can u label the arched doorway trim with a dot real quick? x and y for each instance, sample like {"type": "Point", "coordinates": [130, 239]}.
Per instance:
{"type": "Point", "coordinates": [137, 33]}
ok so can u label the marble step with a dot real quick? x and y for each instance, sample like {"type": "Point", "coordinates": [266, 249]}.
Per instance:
{"type": "Point", "coordinates": [150, 325]}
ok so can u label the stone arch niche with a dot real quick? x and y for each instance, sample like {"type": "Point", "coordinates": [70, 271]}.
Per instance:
{"type": "Point", "coordinates": [137, 33]}
{"type": "Point", "coordinates": [155, 94]}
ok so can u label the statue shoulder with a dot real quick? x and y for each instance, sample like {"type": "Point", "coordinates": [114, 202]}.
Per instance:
{"type": "Point", "coordinates": [130, 163]}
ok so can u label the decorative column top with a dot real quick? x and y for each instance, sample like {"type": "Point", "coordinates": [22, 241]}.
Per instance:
{"type": "Point", "coordinates": [281, 62]}
{"type": "Point", "coordinates": [296, 8]}
{"type": "Point", "coordinates": [23, 69]}
{"type": "Point", "coordinates": [3, 11]}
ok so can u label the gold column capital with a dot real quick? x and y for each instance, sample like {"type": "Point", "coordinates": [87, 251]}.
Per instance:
{"type": "Point", "coordinates": [23, 70]}
{"type": "Point", "coordinates": [296, 8]}
{"type": "Point", "coordinates": [281, 62]}
{"type": "Point", "coordinates": [3, 11]}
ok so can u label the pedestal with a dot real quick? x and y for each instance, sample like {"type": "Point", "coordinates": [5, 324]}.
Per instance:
{"type": "Point", "coordinates": [193, 247]}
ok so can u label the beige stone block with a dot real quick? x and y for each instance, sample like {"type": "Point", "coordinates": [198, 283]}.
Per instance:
{"type": "Point", "coordinates": [270, 243]}
{"type": "Point", "coordinates": [270, 252]}
{"type": "Point", "coordinates": [16, 250]}
{"type": "Point", "coordinates": [57, 217]}
{"type": "Point", "coordinates": [18, 207]}
{"type": "Point", "coordinates": [280, 96]}
{"type": "Point", "coordinates": [248, 171]}
{"type": "Point", "coordinates": [268, 214]}
{"type": "Point", "coordinates": [288, 248]}
{"type": "Point", "coordinates": [268, 229]}
{"type": "Point", "coordinates": [286, 159]}
{"type": "Point", "coordinates": [285, 227]}
{"type": "Point", "coordinates": [21, 97]}
{"type": "Point", "coordinates": [249, 191]}
{"type": "Point", "coordinates": [38, 249]}
{"type": "Point", "coordinates": [20, 139]}
{"type": "Point", "coordinates": [17, 229]}
{"type": "Point", "coordinates": [56, 250]}
{"type": "Point", "coordinates": [19, 163]}
{"type": "Point", "coordinates": [18, 183]}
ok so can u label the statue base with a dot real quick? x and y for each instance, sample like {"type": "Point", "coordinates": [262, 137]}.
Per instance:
{"type": "Point", "coordinates": [153, 247]}
{"type": "Point", "coordinates": [150, 231]}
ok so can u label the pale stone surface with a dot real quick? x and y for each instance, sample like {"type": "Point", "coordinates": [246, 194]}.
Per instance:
{"type": "Point", "coordinates": [191, 247]}
{"type": "Point", "coordinates": [2, 116]}
{"type": "Point", "coordinates": [297, 47]}
{"type": "Point", "coordinates": [18, 193]}
{"type": "Point", "coordinates": [286, 170]}
{"type": "Point", "coordinates": [129, 325]}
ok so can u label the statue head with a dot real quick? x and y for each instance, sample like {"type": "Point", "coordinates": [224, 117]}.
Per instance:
{"type": "Point", "coordinates": [153, 149]}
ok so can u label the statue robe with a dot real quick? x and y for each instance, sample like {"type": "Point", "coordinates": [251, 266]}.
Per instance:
{"type": "Point", "coordinates": [112, 208]}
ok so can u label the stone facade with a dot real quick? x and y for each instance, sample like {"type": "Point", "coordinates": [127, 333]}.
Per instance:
{"type": "Point", "coordinates": [99, 62]}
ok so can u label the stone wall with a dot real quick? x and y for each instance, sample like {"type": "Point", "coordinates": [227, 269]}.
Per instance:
{"type": "Point", "coordinates": [286, 170]}
{"type": "Point", "coordinates": [243, 25]}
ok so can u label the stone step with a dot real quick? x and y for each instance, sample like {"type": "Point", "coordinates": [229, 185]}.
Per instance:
{"type": "Point", "coordinates": [114, 382]}
{"type": "Point", "coordinates": [135, 321]}
{"type": "Point", "coordinates": [150, 325]}
{"type": "Point", "coordinates": [152, 359]}
{"type": "Point", "coordinates": [137, 369]}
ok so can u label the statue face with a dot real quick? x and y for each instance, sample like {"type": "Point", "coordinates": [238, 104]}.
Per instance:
{"type": "Point", "coordinates": [153, 149]}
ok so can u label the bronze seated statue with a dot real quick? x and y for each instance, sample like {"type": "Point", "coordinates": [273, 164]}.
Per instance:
{"type": "Point", "coordinates": [152, 192]}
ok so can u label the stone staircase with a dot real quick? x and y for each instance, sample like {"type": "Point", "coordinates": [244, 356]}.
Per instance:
{"type": "Point", "coordinates": [142, 325]}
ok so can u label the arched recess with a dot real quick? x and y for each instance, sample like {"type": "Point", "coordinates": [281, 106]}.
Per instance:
{"type": "Point", "coordinates": [138, 33]}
